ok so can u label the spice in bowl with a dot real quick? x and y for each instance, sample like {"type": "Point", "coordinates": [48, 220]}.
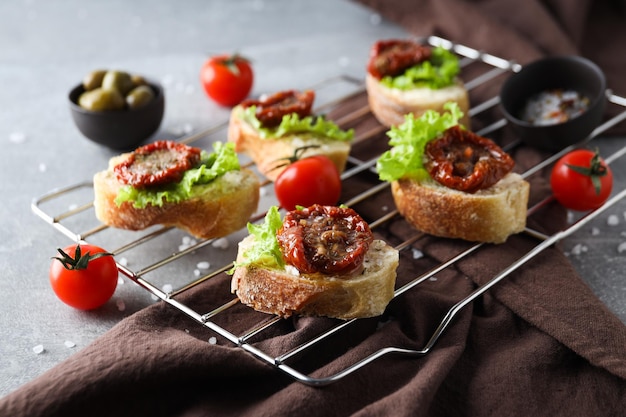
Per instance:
{"type": "Point", "coordinates": [554, 106]}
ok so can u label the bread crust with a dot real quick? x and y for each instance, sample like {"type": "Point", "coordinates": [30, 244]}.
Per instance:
{"type": "Point", "coordinates": [490, 215]}
{"type": "Point", "coordinates": [390, 105]}
{"type": "Point", "coordinates": [365, 293]}
{"type": "Point", "coordinates": [215, 210]}
{"type": "Point", "coordinates": [267, 153]}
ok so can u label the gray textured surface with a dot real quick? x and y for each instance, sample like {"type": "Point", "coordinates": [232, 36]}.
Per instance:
{"type": "Point", "coordinates": [48, 46]}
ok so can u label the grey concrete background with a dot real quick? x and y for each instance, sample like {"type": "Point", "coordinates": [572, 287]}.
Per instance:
{"type": "Point", "coordinates": [47, 46]}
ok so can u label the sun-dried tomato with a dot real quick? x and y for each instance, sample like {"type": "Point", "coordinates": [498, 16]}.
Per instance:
{"type": "Point", "coordinates": [465, 161]}
{"type": "Point", "coordinates": [158, 163]}
{"type": "Point", "coordinates": [393, 57]}
{"type": "Point", "coordinates": [326, 239]}
{"type": "Point", "coordinates": [271, 109]}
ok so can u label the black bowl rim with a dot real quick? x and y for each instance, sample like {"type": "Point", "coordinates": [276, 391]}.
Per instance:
{"type": "Point", "coordinates": [77, 108]}
{"type": "Point", "coordinates": [600, 96]}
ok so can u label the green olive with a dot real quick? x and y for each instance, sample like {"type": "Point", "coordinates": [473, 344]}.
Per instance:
{"type": "Point", "coordinates": [139, 97]}
{"type": "Point", "coordinates": [93, 79]}
{"type": "Point", "coordinates": [117, 80]}
{"type": "Point", "coordinates": [101, 99]}
{"type": "Point", "coordinates": [138, 80]}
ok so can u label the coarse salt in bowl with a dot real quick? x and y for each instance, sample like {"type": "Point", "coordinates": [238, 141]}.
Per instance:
{"type": "Point", "coordinates": [555, 102]}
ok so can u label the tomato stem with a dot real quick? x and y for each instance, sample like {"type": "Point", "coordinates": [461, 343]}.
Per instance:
{"type": "Point", "coordinates": [296, 156]}
{"type": "Point", "coordinates": [79, 261]}
{"type": "Point", "coordinates": [594, 171]}
{"type": "Point", "coordinates": [230, 62]}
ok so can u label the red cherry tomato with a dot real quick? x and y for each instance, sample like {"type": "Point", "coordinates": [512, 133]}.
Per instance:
{"type": "Point", "coordinates": [84, 277]}
{"type": "Point", "coordinates": [581, 180]}
{"type": "Point", "coordinates": [308, 181]}
{"type": "Point", "coordinates": [227, 79]}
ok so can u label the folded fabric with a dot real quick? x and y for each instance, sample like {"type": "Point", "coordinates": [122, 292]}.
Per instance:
{"type": "Point", "coordinates": [537, 343]}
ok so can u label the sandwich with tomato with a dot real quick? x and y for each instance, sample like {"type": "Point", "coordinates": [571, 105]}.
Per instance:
{"type": "Point", "coordinates": [449, 182]}
{"type": "Point", "coordinates": [316, 261]}
{"type": "Point", "coordinates": [404, 76]}
{"type": "Point", "coordinates": [205, 193]}
{"type": "Point", "coordinates": [270, 130]}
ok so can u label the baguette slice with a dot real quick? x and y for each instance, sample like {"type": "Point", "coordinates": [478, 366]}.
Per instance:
{"type": "Point", "coordinates": [489, 215]}
{"type": "Point", "coordinates": [267, 153]}
{"type": "Point", "coordinates": [390, 105]}
{"type": "Point", "coordinates": [286, 292]}
{"type": "Point", "coordinates": [216, 209]}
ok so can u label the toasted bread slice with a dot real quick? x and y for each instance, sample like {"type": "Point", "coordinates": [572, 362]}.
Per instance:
{"type": "Point", "coordinates": [390, 105]}
{"type": "Point", "coordinates": [489, 215]}
{"type": "Point", "coordinates": [286, 292]}
{"type": "Point", "coordinates": [268, 154]}
{"type": "Point", "coordinates": [216, 209]}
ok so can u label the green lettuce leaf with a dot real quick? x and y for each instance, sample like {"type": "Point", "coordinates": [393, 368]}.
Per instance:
{"type": "Point", "coordinates": [292, 123]}
{"type": "Point", "coordinates": [405, 158]}
{"type": "Point", "coordinates": [266, 251]}
{"type": "Point", "coordinates": [222, 160]}
{"type": "Point", "coordinates": [438, 72]}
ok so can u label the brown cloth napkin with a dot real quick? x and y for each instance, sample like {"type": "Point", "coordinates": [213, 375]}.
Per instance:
{"type": "Point", "coordinates": [538, 343]}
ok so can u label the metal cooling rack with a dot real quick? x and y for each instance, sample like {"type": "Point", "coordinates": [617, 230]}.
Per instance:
{"type": "Point", "coordinates": [246, 340]}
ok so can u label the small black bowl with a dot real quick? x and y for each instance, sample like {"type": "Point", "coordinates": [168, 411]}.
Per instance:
{"type": "Point", "coordinates": [565, 73]}
{"type": "Point", "coordinates": [119, 129]}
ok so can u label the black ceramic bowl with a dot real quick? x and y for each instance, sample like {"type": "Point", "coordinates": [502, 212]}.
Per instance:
{"type": "Point", "coordinates": [565, 73]}
{"type": "Point", "coordinates": [119, 129]}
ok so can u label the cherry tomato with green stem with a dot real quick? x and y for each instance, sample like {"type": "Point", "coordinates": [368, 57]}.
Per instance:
{"type": "Point", "coordinates": [83, 276]}
{"type": "Point", "coordinates": [307, 181]}
{"type": "Point", "coordinates": [227, 79]}
{"type": "Point", "coordinates": [581, 180]}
